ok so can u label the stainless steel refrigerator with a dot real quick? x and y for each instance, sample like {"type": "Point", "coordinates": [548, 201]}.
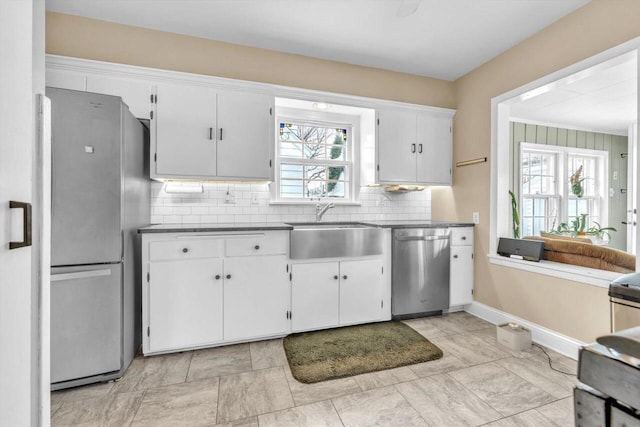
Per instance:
{"type": "Point", "coordinates": [100, 196]}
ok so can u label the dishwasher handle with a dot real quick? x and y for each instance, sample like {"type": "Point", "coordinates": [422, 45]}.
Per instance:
{"type": "Point", "coordinates": [425, 238]}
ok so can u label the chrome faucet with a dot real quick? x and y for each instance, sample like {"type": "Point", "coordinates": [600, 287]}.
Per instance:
{"type": "Point", "coordinates": [322, 209]}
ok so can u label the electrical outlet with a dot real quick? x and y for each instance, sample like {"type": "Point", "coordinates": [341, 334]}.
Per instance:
{"type": "Point", "coordinates": [476, 217]}
{"type": "Point", "coordinates": [254, 199]}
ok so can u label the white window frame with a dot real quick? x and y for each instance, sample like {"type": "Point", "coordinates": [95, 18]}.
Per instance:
{"type": "Point", "coordinates": [326, 119]}
{"type": "Point", "coordinates": [500, 203]}
{"type": "Point", "coordinates": [562, 173]}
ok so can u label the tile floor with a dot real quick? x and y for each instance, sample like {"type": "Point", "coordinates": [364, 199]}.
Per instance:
{"type": "Point", "coordinates": [475, 383]}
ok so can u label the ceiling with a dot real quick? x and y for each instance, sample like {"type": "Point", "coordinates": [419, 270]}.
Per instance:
{"type": "Point", "coordinates": [443, 38]}
{"type": "Point", "coordinates": [603, 98]}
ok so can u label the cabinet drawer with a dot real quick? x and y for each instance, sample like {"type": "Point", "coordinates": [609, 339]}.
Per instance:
{"type": "Point", "coordinates": [256, 245]}
{"type": "Point", "coordinates": [185, 249]}
{"type": "Point", "coordinates": [462, 236]}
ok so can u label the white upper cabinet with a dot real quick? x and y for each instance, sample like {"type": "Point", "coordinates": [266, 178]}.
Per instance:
{"type": "Point", "coordinates": [396, 147]}
{"type": "Point", "coordinates": [433, 153]}
{"type": "Point", "coordinates": [135, 93]}
{"type": "Point", "coordinates": [201, 133]}
{"type": "Point", "coordinates": [64, 79]}
{"type": "Point", "coordinates": [183, 132]}
{"type": "Point", "coordinates": [414, 147]}
{"type": "Point", "coordinates": [244, 135]}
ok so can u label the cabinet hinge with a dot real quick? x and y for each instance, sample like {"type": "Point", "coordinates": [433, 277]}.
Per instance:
{"type": "Point", "coordinates": [155, 157]}
{"type": "Point", "coordinates": [148, 277]}
{"type": "Point", "coordinates": [148, 331]}
{"type": "Point", "coordinates": [151, 114]}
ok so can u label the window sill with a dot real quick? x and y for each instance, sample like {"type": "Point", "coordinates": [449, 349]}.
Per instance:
{"type": "Point", "coordinates": [313, 203]}
{"type": "Point", "coordinates": [588, 276]}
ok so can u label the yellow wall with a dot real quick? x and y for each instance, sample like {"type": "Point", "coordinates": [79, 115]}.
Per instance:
{"type": "Point", "coordinates": [104, 41]}
{"type": "Point", "coordinates": [571, 308]}
{"type": "Point", "coordinates": [577, 310]}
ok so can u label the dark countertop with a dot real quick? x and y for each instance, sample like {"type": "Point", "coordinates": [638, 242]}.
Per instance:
{"type": "Point", "coordinates": [266, 226]}
{"type": "Point", "coordinates": [198, 228]}
{"type": "Point", "coordinates": [418, 224]}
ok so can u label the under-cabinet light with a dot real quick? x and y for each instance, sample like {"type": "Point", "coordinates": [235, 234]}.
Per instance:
{"type": "Point", "coordinates": [183, 187]}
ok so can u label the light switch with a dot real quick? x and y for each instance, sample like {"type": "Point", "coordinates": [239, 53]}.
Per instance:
{"type": "Point", "coordinates": [476, 218]}
{"type": "Point", "coordinates": [88, 149]}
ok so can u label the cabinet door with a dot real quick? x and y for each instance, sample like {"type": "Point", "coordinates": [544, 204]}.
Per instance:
{"type": "Point", "coordinates": [183, 130]}
{"type": "Point", "coordinates": [134, 93]}
{"type": "Point", "coordinates": [64, 79]}
{"type": "Point", "coordinates": [360, 291]}
{"type": "Point", "coordinates": [314, 295]}
{"type": "Point", "coordinates": [244, 135]}
{"type": "Point", "coordinates": [396, 146]}
{"type": "Point", "coordinates": [434, 149]}
{"type": "Point", "coordinates": [256, 297]}
{"type": "Point", "coordinates": [461, 278]}
{"type": "Point", "coordinates": [185, 304]}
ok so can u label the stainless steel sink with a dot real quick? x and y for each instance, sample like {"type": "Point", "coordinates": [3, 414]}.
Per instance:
{"type": "Point", "coordinates": [335, 239]}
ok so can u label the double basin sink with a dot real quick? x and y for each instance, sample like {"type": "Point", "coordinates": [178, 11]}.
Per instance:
{"type": "Point", "coordinates": [335, 240]}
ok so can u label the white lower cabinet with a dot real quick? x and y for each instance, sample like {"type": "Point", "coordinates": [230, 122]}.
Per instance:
{"type": "Point", "coordinates": [329, 294]}
{"type": "Point", "coordinates": [315, 290]}
{"type": "Point", "coordinates": [203, 290]}
{"type": "Point", "coordinates": [361, 291]}
{"type": "Point", "coordinates": [256, 297]}
{"type": "Point", "coordinates": [461, 275]}
{"type": "Point", "coordinates": [185, 304]}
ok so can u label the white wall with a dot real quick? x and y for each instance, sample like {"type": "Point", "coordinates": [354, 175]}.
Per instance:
{"type": "Point", "coordinates": [211, 206]}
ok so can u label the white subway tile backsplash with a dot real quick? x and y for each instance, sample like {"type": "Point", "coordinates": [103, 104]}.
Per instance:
{"type": "Point", "coordinates": [211, 206]}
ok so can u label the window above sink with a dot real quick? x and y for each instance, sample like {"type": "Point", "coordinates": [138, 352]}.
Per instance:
{"type": "Point", "coordinates": [317, 151]}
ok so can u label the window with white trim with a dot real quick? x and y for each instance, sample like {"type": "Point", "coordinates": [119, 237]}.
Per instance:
{"type": "Point", "coordinates": [315, 157]}
{"type": "Point", "coordinates": [548, 195]}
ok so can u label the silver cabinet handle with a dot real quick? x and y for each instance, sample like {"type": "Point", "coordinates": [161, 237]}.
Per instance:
{"type": "Point", "coordinates": [455, 256]}
{"type": "Point", "coordinates": [217, 277]}
{"type": "Point", "coordinates": [420, 148]}
{"type": "Point", "coordinates": [256, 247]}
{"type": "Point", "coordinates": [464, 238]}
{"type": "Point", "coordinates": [228, 276]}
{"type": "Point", "coordinates": [211, 133]}
{"type": "Point", "coordinates": [80, 275]}
{"type": "Point", "coordinates": [335, 277]}
{"type": "Point", "coordinates": [220, 134]}
{"type": "Point", "coordinates": [185, 250]}
{"type": "Point", "coordinates": [413, 148]}
{"type": "Point", "coordinates": [344, 277]}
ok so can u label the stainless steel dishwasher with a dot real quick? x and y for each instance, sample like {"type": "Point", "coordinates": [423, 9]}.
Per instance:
{"type": "Point", "coordinates": [420, 264]}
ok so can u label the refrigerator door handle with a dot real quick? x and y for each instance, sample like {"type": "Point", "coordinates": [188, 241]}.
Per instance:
{"type": "Point", "coordinates": [423, 238]}
{"type": "Point", "coordinates": [80, 275]}
{"type": "Point", "coordinates": [26, 224]}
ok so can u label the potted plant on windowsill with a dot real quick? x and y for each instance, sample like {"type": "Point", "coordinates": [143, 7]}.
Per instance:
{"type": "Point", "coordinates": [599, 235]}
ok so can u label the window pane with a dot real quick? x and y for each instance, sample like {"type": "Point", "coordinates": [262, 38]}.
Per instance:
{"type": "Point", "coordinates": [291, 189]}
{"type": "Point", "coordinates": [290, 149]}
{"type": "Point", "coordinates": [315, 173]}
{"type": "Point", "coordinates": [315, 188]}
{"type": "Point", "coordinates": [288, 171]}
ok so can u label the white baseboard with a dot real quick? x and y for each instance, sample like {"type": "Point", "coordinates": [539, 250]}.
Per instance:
{"type": "Point", "coordinates": [539, 334]}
